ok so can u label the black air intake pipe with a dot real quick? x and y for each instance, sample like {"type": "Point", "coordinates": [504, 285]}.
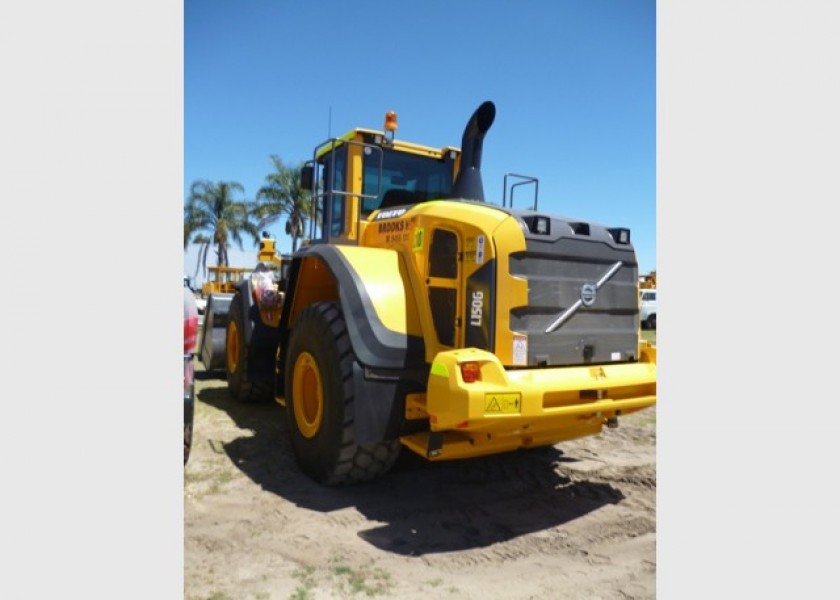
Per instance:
{"type": "Point", "coordinates": [468, 183]}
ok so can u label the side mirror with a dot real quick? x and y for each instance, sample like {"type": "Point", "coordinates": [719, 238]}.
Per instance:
{"type": "Point", "coordinates": [306, 173]}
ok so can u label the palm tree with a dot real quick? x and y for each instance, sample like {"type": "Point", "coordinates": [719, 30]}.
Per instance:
{"type": "Point", "coordinates": [282, 195]}
{"type": "Point", "coordinates": [213, 217]}
{"type": "Point", "coordinates": [201, 263]}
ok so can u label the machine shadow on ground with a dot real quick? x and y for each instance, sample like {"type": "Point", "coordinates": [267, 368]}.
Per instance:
{"type": "Point", "coordinates": [419, 507]}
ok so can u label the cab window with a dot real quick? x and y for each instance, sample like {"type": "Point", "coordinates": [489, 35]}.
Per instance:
{"type": "Point", "coordinates": [410, 178]}
{"type": "Point", "coordinates": [334, 181]}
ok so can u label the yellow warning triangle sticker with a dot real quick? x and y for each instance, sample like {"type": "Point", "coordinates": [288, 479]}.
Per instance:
{"type": "Point", "coordinates": [493, 406]}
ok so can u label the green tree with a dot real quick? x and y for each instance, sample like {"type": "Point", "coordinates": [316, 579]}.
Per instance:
{"type": "Point", "coordinates": [282, 195]}
{"type": "Point", "coordinates": [213, 217]}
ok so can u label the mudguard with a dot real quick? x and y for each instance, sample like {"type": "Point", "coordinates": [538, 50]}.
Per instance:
{"type": "Point", "coordinates": [371, 291]}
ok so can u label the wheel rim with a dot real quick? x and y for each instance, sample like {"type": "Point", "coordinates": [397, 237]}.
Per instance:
{"type": "Point", "coordinates": [232, 347]}
{"type": "Point", "coordinates": [307, 395]}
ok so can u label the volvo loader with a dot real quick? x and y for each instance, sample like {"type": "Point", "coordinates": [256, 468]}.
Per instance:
{"type": "Point", "coordinates": [420, 316]}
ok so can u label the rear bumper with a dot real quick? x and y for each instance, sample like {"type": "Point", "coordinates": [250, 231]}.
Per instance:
{"type": "Point", "coordinates": [508, 409]}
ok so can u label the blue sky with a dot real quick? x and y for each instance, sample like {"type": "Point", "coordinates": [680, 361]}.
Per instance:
{"type": "Point", "coordinates": [574, 85]}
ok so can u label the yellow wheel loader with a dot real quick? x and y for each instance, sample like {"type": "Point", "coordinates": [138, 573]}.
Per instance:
{"type": "Point", "coordinates": [418, 315]}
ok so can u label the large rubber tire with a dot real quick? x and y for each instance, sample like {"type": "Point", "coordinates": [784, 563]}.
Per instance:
{"type": "Point", "coordinates": [320, 402]}
{"type": "Point", "coordinates": [240, 386]}
{"type": "Point", "coordinates": [652, 321]}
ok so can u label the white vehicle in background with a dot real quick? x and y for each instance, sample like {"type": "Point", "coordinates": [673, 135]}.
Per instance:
{"type": "Point", "coordinates": [200, 302]}
{"type": "Point", "coordinates": [647, 308]}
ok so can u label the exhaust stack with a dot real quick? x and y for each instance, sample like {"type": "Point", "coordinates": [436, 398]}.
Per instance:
{"type": "Point", "coordinates": [468, 182]}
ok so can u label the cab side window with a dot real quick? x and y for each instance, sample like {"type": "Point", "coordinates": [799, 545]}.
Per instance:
{"type": "Point", "coordinates": [334, 203]}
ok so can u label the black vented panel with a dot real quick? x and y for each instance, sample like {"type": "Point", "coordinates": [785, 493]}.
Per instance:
{"type": "Point", "coordinates": [443, 255]}
{"type": "Point", "coordinates": [557, 269]}
{"type": "Point", "coordinates": [442, 302]}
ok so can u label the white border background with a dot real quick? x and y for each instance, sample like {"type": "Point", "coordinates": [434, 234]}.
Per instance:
{"type": "Point", "coordinates": [91, 138]}
{"type": "Point", "coordinates": [91, 154]}
{"type": "Point", "coordinates": [747, 184]}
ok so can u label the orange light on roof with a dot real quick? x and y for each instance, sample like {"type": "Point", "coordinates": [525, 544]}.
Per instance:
{"type": "Point", "coordinates": [470, 372]}
{"type": "Point", "coordinates": [390, 121]}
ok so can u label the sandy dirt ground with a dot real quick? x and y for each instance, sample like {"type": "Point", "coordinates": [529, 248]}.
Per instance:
{"type": "Point", "coordinates": [577, 520]}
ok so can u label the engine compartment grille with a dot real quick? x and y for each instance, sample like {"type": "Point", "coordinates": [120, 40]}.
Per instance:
{"type": "Point", "coordinates": [562, 271]}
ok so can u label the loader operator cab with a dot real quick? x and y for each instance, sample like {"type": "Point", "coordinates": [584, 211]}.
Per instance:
{"type": "Point", "coordinates": [364, 171]}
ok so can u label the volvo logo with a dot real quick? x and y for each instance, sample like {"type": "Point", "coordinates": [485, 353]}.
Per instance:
{"type": "Point", "coordinates": [587, 294]}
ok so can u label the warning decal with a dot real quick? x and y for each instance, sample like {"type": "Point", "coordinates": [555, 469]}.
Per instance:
{"type": "Point", "coordinates": [502, 404]}
{"type": "Point", "coordinates": [479, 250]}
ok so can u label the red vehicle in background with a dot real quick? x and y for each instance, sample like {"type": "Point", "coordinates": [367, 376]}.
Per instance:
{"type": "Point", "coordinates": [190, 337]}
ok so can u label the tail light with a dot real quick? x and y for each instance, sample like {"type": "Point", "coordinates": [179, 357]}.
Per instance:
{"type": "Point", "coordinates": [470, 372]}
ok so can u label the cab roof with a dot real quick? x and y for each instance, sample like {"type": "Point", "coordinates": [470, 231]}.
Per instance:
{"type": "Point", "coordinates": [397, 144]}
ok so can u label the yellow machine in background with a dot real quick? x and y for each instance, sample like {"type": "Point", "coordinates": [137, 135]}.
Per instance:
{"type": "Point", "coordinates": [222, 280]}
{"type": "Point", "coordinates": [648, 282]}
{"type": "Point", "coordinates": [421, 316]}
